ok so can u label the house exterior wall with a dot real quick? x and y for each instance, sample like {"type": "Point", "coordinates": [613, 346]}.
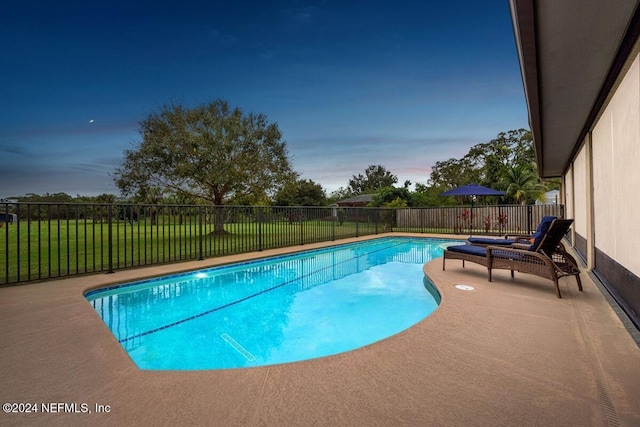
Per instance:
{"type": "Point", "coordinates": [616, 146]}
{"type": "Point", "coordinates": [579, 168]}
{"type": "Point", "coordinates": [582, 84]}
{"type": "Point", "coordinates": [569, 193]}
{"type": "Point", "coordinates": [613, 157]}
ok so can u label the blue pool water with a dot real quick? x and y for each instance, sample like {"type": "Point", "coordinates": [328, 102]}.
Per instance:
{"type": "Point", "coordinates": [277, 310]}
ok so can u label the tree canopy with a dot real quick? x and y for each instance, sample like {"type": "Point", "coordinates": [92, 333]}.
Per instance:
{"type": "Point", "coordinates": [522, 183]}
{"type": "Point", "coordinates": [485, 163]}
{"type": "Point", "coordinates": [301, 193]}
{"type": "Point", "coordinates": [215, 154]}
{"type": "Point", "coordinates": [211, 152]}
{"type": "Point", "coordinates": [391, 196]}
{"type": "Point", "coordinates": [375, 177]}
{"type": "Point", "coordinates": [505, 163]}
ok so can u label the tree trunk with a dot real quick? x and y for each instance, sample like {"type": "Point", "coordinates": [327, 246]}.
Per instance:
{"type": "Point", "coordinates": [154, 214]}
{"type": "Point", "coordinates": [218, 221]}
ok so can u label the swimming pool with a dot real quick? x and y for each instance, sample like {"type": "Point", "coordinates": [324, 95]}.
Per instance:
{"type": "Point", "coordinates": [276, 310]}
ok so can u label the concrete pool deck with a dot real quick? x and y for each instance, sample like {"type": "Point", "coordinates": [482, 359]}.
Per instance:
{"type": "Point", "coordinates": [506, 353]}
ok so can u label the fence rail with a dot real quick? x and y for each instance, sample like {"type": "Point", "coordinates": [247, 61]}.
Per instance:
{"type": "Point", "coordinates": [42, 241]}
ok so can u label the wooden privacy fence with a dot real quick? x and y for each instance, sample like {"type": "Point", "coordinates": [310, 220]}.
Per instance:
{"type": "Point", "coordinates": [43, 241]}
{"type": "Point", "coordinates": [491, 219]}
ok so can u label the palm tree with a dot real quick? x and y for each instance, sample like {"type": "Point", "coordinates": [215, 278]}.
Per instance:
{"type": "Point", "coordinates": [523, 184]}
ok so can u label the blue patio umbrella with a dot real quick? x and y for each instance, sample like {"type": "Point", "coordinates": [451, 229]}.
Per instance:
{"type": "Point", "coordinates": [472, 190]}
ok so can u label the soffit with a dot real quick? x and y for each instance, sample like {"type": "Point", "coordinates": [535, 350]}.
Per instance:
{"type": "Point", "coordinates": [566, 49]}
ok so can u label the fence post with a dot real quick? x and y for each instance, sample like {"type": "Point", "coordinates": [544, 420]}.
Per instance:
{"type": "Point", "coordinates": [200, 243]}
{"type": "Point", "coordinates": [394, 219]}
{"type": "Point", "coordinates": [301, 227]}
{"type": "Point", "coordinates": [334, 220]}
{"type": "Point", "coordinates": [110, 237]}
{"type": "Point", "coordinates": [260, 217]}
{"type": "Point", "coordinates": [376, 218]}
{"type": "Point", "coordinates": [529, 218]}
{"type": "Point", "coordinates": [357, 222]}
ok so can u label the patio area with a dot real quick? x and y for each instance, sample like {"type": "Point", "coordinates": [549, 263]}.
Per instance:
{"type": "Point", "coordinates": [506, 353]}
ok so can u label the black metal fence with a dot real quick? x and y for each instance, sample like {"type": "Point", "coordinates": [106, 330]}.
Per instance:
{"type": "Point", "coordinates": [41, 241]}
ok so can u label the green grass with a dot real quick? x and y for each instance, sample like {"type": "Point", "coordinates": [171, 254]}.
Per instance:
{"type": "Point", "coordinates": [46, 249]}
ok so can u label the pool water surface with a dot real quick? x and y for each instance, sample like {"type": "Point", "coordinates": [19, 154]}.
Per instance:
{"type": "Point", "coordinates": [276, 310]}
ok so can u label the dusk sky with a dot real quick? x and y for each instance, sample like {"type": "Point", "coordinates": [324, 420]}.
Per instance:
{"type": "Point", "coordinates": [350, 84]}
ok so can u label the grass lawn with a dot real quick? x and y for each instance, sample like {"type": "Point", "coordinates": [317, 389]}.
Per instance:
{"type": "Point", "coordinates": [46, 249]}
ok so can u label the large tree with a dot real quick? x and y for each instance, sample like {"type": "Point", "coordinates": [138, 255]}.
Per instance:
{"type": "Point", "coordinates": [211, 152]}
{"type": "Point", "coordinates": [304, 192]}
{"type": "Point", "coordinates": [340, 194]}
{"type": "Point", "coordinates": [388, 195]}
{"type": "Point", "coordinates": [452, 173]}
{"type": "Point", "coordinates": [486, 163]}
{"type": "Point", "coordinates": [375, 177]}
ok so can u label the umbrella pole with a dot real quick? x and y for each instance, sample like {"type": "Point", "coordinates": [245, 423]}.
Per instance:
{"type": "Point", "coordinates": [471, 219]}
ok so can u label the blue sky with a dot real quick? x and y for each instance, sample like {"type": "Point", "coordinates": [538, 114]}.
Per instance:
{"type": "Point", "coordinates": [403, 84]}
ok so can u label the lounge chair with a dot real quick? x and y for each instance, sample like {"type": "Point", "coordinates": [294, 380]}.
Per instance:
{"type": "Point", "coordinates": [510, 239]}
{"type": "Point", "coordinates": [520, 241]}
{"type": "Point", "coordinates": [546, 257]}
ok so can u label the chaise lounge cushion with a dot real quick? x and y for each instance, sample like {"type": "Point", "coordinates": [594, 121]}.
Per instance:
{"type": "Point", "coordinates": [469, 249]}
{"type": "Point", "coordinates": [489, 241]}
{"type": "Point", "coordinates": [544, 222]}
{"type": "Point", "coordinates": [543, 227]}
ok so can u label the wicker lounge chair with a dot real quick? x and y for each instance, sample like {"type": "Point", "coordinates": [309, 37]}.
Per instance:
{"type": "Point", "coordinates": [479, 256]}
{"type": "Point", "coordinates": [510, 239]}
{"type": "Point", "coordinates": [546, 257]}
